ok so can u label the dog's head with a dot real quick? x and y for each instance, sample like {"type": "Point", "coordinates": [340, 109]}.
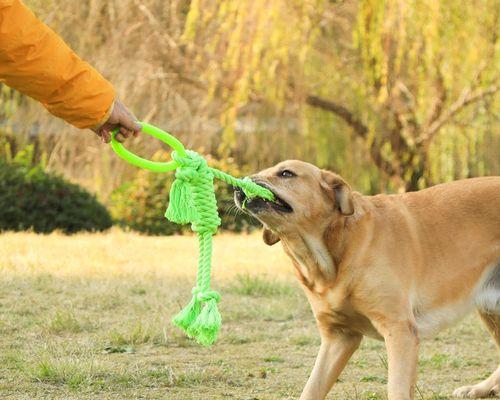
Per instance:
{"type": "Point", "coordinates": [307, 198]}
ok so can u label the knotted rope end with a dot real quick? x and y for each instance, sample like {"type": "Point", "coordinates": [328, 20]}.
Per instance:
{"type": "Point", "coordinates": [188, 314]}
{"type": "Point", "coordinates": [202, 323]}
{"type": "Point", "coordinates": [206, 327]}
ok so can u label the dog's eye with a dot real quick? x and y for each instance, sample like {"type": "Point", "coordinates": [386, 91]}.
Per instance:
{"type": "Point", "coordinates": [286, 174]}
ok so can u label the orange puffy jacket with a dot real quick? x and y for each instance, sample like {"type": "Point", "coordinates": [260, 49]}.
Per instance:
{"type": "Point", "coordinates": [37, 62]}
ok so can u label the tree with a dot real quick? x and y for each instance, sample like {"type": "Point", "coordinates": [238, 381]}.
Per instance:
{"type": "Point", "coordinates": [416, 70]}
{"type": "Point", "coordinates": [393, 94]}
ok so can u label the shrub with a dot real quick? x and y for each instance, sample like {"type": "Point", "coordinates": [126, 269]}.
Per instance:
{"type": "Point", "coordinates": [31, 198]}
{"type": "Point", "coordinates": [141, 203]}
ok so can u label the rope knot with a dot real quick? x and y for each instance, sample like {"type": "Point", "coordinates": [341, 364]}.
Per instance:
{"type": "Point", "coordinates": [195, 291]}
{"type": "Point", "coordinates": [191, 160]}
{"type": "Point", "coordinates": [205, 295]}
{"type": "Point", "coordinates": [208, 295]}
{"type": "Point", "coordinates": [190, 166]}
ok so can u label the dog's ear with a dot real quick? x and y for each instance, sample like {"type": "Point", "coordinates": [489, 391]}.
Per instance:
{"type": "Point", "coordinates": [270, 237]}
{"type": "Point", "coordinates": [339, 191]}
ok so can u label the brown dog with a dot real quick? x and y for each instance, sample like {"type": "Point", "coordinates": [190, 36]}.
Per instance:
{"type": "Point", "coordinates": [392, 267]}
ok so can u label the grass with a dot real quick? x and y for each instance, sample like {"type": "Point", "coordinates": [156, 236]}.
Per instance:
{"type": "Point", "coordinates": [87, 316]}
{"type": "Point", "coordinates": [251, 285]}
{"type": "Point", "coordinates": [54, 372]}
{"type": "Point", "coordinates": [64, 321]}
{"type": "Point", "coordinates": [135, 334]}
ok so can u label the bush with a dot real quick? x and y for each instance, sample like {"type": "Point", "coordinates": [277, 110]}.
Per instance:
{"type": "Point", "coordinates": [31, 198]}
{"type": "Point", "coordinates": [141, 203]}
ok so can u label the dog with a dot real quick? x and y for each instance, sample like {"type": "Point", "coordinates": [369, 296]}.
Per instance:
{"type": "Point", "coordinates": [392, 267]}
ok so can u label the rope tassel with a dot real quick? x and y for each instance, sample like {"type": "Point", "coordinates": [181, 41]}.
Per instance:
{"type": "Point", "coordinates": [188, 314]}
{"type": "Point", "coordinates": [207, 325]}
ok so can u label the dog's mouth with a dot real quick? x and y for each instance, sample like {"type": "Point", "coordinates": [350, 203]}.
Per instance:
{"type": "Point", "coordinates": [257, 204]}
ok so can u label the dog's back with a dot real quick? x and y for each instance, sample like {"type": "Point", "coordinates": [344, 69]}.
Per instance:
{"type": "Point", "coordinates": [445, 217]}
{"type": "Point", "coordinates": [444, 242]}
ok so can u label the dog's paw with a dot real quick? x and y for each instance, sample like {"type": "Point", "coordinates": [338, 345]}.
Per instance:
{"type": "Point", "coordinates": [477, 391]}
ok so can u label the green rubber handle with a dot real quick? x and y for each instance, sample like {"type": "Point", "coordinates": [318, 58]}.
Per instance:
{"type": "Point", "coordinates": [140, 162]}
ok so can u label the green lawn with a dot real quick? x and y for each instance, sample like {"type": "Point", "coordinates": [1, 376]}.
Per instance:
{"type": "Point", "coordinates": [87, 316]}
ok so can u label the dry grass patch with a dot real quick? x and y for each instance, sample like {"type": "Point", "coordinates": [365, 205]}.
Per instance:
{"type": "Point", "coordinates": [87, 316]}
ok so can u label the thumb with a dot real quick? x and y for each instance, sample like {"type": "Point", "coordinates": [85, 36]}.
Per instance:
{"type": "Point", "coordinates": [130, 122]}
{"type": "Point", "coordinates": [123, 117]}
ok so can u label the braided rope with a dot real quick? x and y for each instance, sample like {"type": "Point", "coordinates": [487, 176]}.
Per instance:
{"type": "Point", "coordinates": [250, 188]}
{"type": "Point", "coordinates": [192, 199]}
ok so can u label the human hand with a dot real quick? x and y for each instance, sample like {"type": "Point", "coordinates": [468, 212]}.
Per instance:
{"type": "Point", "coordinates": [122, 118]}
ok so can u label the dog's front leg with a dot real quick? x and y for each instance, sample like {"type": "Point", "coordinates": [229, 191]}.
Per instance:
{"type": "Point", "coordinates": [401, 341]}
{"type": "Point", "coordinates": [333, 355]}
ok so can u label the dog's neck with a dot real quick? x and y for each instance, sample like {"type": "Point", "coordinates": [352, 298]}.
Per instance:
{"type": "Point", "coordinates": [316, 255]}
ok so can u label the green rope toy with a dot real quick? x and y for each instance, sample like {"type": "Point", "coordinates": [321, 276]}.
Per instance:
{"type": "Point", "coordinates": [192, 200]}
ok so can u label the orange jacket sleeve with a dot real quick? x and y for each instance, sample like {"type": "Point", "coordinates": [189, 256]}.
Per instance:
{"type": "Point", "coordinates": [37, 62]}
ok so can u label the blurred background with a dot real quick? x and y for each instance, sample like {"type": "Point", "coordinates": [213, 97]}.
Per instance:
{"type": "Point", "coordinates": [393, 95]}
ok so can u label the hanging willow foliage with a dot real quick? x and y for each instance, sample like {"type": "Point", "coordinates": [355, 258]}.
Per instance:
{"type": "Point", "coordinates": [252, 50]}
{"type": "Point", "coordinates": [397, 72]}
{"type": "Point", "coordinates": [424, 63]}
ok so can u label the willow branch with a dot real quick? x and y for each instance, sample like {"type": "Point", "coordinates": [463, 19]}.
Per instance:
{"type": "Point", "coordinates": [359, 128]}
{"type": "Point", "coordinates": [465, 99]}
{"type": "Point", "coordinates": [340, 111]}
{"type": "Point", "coordinates": [438, 106]}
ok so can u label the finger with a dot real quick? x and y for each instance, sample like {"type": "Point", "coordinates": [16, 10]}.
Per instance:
{"type": "Point", "coordinates": [125, 132]}
{"type": "Point", "coordinates": [129, 122]}
{"type": "Point", "coordinates": [136, 133]}
{"type": "Point", "coordinates": [119, 137]}
{"type": "Point", "coordinates": [106, 136]}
